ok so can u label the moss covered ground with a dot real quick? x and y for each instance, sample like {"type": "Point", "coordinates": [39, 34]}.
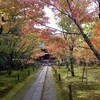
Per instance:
{"type": "Point", "coordinates": [10, 85]}
{"type": "Point", "coordinates": [87, 90]}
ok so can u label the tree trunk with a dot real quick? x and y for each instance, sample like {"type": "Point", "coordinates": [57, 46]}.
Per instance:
{"type": "Point", "coordinates": [59, 77]}
{"type": "Point", "coordinates": [67, 66]}
{"type": "Point", "coordinates": [9, 70]}
{"type": "Point", "coordinates": [1, 29]}
{"type": "Point", "coordinates": [87, 40]}
{"type": "Point", "coordinates": [10, 64]}
{"type": "Point", "coordinates": [70, 92]}
{"type": "Point", "coordinates": [11, 61]}
{"type": "Point", "coordinates": [86, 74]}
{"type": "Point", "coordinates": [71, 61]}
{"type": "Point", "coordinates": [72, 67]}
{"type": "Point", "coordinates": [83, 73]}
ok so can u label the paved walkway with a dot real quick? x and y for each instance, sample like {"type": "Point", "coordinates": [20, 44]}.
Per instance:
{"type": "Point", "coordinates": [34, 93]}
{"type": "Point", "coordinates": [40, 90]}
{"type": "Point", "coordinates": [49, 90]}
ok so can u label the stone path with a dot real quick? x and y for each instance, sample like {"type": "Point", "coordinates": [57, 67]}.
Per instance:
{"type": "Point", "coordinates": [34, 93]}
{"type": "Point", "coordinates": [41, 89]}
{"type": "Point", "coordinates": [49, 90]}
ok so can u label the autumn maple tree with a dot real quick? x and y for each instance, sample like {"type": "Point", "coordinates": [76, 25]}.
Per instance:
{"type": "Point", "coordinates": [80, 12]}
{"type": "Point", "coordinates": [19, 36]}
{"type": "Point", "coordinates": [20, 18]}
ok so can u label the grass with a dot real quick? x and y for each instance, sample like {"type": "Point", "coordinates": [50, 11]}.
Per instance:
{"type": "Point", "coordinates": [9, 85]}
{"type": "Point", "coordinates": [80, 90]}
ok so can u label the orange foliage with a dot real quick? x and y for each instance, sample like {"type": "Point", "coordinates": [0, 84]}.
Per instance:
{"type": "Point", "coordinates": [96, 38]}
{"type": "Point", "coordinates": [38, 54]}
{"type": "Point", "coordinates": [79, 9]}
{"type": "Point", "coordinates": [45, 35]}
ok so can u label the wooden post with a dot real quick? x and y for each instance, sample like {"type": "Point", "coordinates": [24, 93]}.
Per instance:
{"type": "Point", "coordinates": [59, 77]}
{"type": "Point", "coordinates": [70, 92]}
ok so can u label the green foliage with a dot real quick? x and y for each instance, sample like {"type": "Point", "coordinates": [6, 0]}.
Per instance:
{"type": "Point", "coordinates": [88, 29]}
{"type": "Point", "coordinates": [65, 23]}
{"type": "Point", "coordinates": [16, 49]}
{"type": "Point", "coordinates": [18, 42]}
